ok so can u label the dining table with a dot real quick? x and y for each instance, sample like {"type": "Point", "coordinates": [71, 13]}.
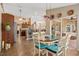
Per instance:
{"type": "Point", "coordinates": [48, 41]}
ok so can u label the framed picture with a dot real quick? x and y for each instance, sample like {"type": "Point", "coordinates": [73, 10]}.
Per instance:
{"type": "Point", "coordinates": [70, 12]}
{"type": "Point", "coordinates": [51, 17]}
{"type": "Point", "coordinates": [59, 15]}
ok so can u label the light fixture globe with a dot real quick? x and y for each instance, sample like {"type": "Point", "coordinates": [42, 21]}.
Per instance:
{"type": "Point", "coordinates": [8, 27]}
{"type": "Point", "coordinates": [20, 19]}
{"type": "Point", "coordinates": [20, 15]}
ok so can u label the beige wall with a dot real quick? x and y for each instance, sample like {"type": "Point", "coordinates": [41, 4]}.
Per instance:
{"type": "Point", "coordinates": [63, 10]}
{"type": "Point", "coordinates": [47, 27]}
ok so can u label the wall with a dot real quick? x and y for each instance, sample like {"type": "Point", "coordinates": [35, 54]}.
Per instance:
{"type": "Point", "coordinates": [15, 32]}
{"type": "Point", "coordinates": [0, 27]}
{"type": "Point", "coordinates": [78, 33]}
{"type": "Point", "coordinates": [63, 10]}
{"type": "Point", "coordinates": [47, 27]}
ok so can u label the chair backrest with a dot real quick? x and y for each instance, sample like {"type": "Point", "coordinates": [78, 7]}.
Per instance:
{"type": "Point", "coordinates": [68, 38]}
{"type": "Point", "coordinates": [35, 38]}
{"type": "Point", "coordinates": [63, 40]}
{"type": "Point", "coordinates": [62, 44]}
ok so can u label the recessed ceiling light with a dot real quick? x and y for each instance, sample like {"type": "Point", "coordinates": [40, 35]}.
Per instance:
{"type": "Point", "coordinates": [20, 19]}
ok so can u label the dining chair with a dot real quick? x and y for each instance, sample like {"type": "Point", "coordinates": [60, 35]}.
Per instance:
{"type": "Point", "coordinates": [55, 49]}
{"type": "Point", "coordinates": [38, 45]}
{"type": "Point", "coordinates": [58, 48]}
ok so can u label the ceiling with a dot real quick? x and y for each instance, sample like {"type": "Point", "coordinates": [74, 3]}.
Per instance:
{"type": "Point", "coordinates": [33, 10]}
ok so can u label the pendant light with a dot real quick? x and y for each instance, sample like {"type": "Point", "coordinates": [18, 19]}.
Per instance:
{"type": "Point", "coordinates": [20, 14]}
{"type": "Point", "coordinates": [45, 16]}
{"type": "Point", "coordinates": [51, 17]}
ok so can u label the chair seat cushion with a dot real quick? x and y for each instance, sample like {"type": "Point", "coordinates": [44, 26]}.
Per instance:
{"type": "Point", "coordinates": [53, 48]}
{"type": "Point", "coordinates": [42, 46]}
